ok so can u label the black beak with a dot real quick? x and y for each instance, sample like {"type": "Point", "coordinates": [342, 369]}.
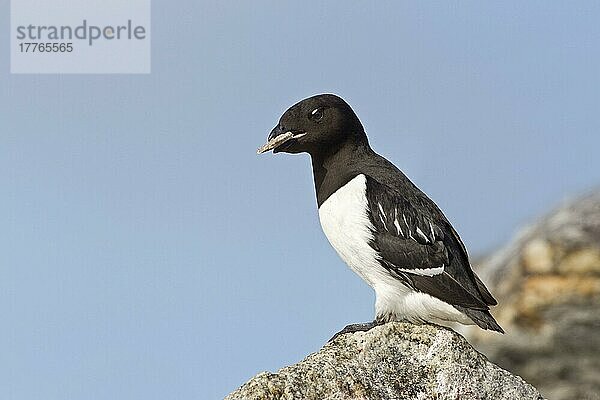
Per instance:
{"type": "Point", "coordinates": [278, 137]}
{"type": "Point", "coordinates": [278, 130]}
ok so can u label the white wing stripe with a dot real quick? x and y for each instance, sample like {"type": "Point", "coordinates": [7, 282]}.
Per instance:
{"type": "Point", "coordinates": [382, 216]}
{"type": "Point", "coordinates": [383, 222]}
{"type": "Point", "coordinates": [423, 271]}
{"type": "Point", "coordinates": [420, 232]}
{"type": "Point", "coordinates": [407, 226]}
{"type": "Point", "coordinates": [398, 228]}
{"type": "Point", "coordinates": [396, 223]}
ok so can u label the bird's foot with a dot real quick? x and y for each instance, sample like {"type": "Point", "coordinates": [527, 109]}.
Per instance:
{"type": "Point", "coordinates": [356, 328]}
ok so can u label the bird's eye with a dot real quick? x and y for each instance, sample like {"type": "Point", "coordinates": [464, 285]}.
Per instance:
{"type": "Point", "coordinates": [316, 114]}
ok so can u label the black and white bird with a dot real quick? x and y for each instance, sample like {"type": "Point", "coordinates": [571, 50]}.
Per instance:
{"type": "Point", "coordinates": [386, 229]}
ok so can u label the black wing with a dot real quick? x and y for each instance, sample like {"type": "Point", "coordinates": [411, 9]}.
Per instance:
{"type": "Point", "coordinates": [419, 246]}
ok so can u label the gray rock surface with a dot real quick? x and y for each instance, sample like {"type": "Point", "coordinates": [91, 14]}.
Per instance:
{"type": "Point", "coordinates": [547, 281]}
{"type": "Point", "coordinates": [393, 361]}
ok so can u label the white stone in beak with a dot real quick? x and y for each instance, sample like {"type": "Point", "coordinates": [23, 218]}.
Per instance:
{"type": "Point", "coordinates": [277, 141]}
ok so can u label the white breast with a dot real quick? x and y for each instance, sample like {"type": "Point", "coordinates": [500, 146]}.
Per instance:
{"type": "Point", "coordinates": [345, 221]}
{"type": "Point", "coordinates": [346, 224]}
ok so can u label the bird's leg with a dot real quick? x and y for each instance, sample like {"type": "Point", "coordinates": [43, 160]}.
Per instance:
{"type": "Point", "coordinates": [356, 328]}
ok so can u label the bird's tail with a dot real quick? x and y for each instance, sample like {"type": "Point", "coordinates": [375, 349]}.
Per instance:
{"type": "Point", "coordinates": [485, 293]}
{"type": "Point", "coordinates": [482, 318]}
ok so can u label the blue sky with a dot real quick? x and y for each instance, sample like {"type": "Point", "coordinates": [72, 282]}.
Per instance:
{"type": "Point", "coordinates": [146, 252]}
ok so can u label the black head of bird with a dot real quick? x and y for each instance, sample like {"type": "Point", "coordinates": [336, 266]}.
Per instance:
{"type": "Point", "coordinates": [318, 123]}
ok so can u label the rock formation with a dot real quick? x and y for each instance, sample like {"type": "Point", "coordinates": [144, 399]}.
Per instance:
{"type": "Point", "coordinates": [547, 281]}
{"type": "Point", "coordinates": [393, 361]}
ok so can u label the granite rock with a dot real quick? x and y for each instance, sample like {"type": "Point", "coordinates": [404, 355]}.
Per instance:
{"type": "Point", "coordinates": [393, 361]}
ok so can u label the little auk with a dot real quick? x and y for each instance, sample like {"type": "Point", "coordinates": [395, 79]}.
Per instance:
{"type": "Point", "coordinates": [387, 230]}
